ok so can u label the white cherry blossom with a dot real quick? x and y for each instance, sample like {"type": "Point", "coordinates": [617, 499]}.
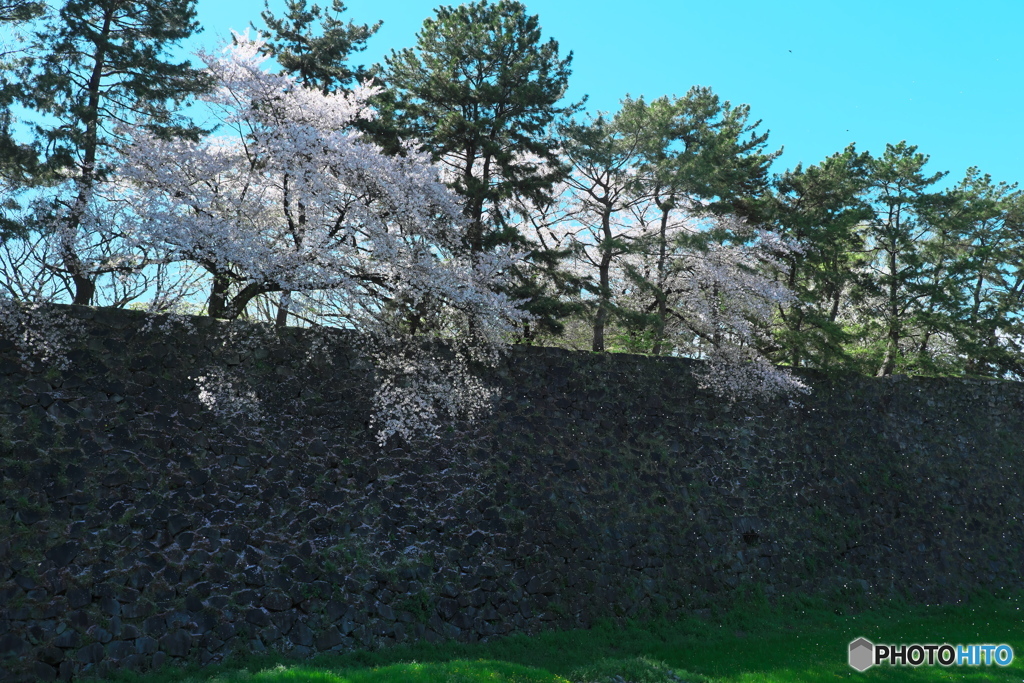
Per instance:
{"type": "Point", "coordinates": [286, 196]}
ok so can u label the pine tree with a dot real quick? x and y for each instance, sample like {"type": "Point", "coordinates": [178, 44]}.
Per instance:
{"type": "Point", "coordinates": [98, 64]}
{"type": "Point", "coordinates": [695, 153]}
{"type": "Point", "coordinates": [975, 263]}
{"type": "Point", "coordinates": [314, 45]}
{"type": "Point", "coordinates": [481, 91]}
{"type": "Point", "coordinates": [897, 231]}
{"type": "Point", "coordinates": [821, 207]}
{"type": "Point", "coordinates": [17, 159]}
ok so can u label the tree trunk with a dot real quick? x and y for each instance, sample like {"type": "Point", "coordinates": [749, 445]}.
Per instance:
{"type": "Point", "coordinates": [85, 286]}
{"type": "Point", "coordinates": [833, 312]}
{"type": "Point", "coordinates": [528, 334]}
{"type": "Point", "coordinates": [605, 293]}
{"type": "Point", "coordinates": [85, 289]}
{"type": "Point", "coordinates": [218, 296]}
{"type": "Point", "coordinates": [282, 309]}
{"type": "Point", "coordinates": [892, 347]}
{"type": "Point", "coordinates": [601, 316]}
{"type": "Point", "coordinates": [475, 203]}
{"type": "Point", "coordinates": [796, 325]}
{"type": "Point", "coordinates": [659, 333]}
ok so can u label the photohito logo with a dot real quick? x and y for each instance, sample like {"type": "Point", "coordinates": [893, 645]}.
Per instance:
{"type": "Point", "coordinates": [864, 654]}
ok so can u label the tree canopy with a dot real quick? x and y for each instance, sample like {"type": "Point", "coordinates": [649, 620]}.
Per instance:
{"type": "Point", "coordinates": [96, 66]}
{"type": "Point", "coordinates": [453, 191]}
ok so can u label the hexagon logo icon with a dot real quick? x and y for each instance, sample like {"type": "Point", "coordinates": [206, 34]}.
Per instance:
{"type": "Point", "coordinates": [862, 654]}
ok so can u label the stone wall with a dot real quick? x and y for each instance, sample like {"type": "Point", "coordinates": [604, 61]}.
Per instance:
{"type": "Point", "coordinates": [140, 527]}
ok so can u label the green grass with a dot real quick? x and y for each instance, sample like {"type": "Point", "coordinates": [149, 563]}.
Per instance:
{"type": "Point", "coordinates": [458, 671]}
{"type": "Point", "coordinates": [796, 641]}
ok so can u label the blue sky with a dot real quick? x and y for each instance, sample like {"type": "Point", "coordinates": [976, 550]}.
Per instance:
{"type": "Point", "coordinates": [946, 76]}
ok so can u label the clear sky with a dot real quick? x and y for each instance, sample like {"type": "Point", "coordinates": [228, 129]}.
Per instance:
{"type": "Point", "coordinates": [946, 76]}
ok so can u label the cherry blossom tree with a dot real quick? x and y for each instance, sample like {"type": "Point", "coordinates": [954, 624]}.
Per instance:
{"type": "Point", "coordinates": [719, 294]}
{"type": "Point", "coordinates": [707, 284]}
{"type": "Point", "coordinates": [645, 212]}
{"type": "Point", "coordinates": [288, 196]}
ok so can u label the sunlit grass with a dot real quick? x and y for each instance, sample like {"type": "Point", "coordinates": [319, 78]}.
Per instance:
{"type": "Point", "coordinates": [795, 641]}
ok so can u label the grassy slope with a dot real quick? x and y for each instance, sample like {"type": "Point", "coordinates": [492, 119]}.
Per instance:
{"type": "Point", "coordinates": [798, 641]}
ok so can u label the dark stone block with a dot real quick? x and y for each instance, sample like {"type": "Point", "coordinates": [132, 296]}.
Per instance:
{"type": "Point", "coordinates": [177, 523]}
{"type": "Point", "coordinates": [140, 578]}
{"type": "Point", "coordinates": [177, 643]}
{"type": "Point", "coordinates": [91, 654]}
{"type": "Point", "coordinates": [447, 608]}
{"type": "Point", "coordinates": [464, 620]}
{"type": "Point", "coordinates": [257, 617]}
{"type": "Point", "coordinates": [202, 589]}
{"type": "Point", "coordinates": [253, 576]}
{"type": "Point", "coordinates": [12, 646]}
{"type": "Point", "coordinates": [137, 610]}
{"type": "Point", "coordinates": [43, 672]}
{"type": "Point", "coordinates": [119, 649]}
{"type": "Point", "coordinates": [328, 639]}
{"type": "Point", "coordinates": [247, 597]}
{"type": "Point", "coordinates": [155, 625]}
{"type": "Point", "coordinates": [64, 554]}
{"type": "Point", "coordinates": [134, 662]}
{"type": "Point", "coordinates": [99, 634]}
{"type": "Point", "coordinates": [68, 639]}
{"type": "Point", "coordinates": [277, 601]}
{"type": "Point", "coordinates": [284, 620]}
{"type": "Point", "coordinates": [537, 585]}
{"type": "Point", "coordinates": [110, 606]}
{"type": "Point", "coordinates": [302, 635]}
{"type": "Point", "coordinates": [51, 654]}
